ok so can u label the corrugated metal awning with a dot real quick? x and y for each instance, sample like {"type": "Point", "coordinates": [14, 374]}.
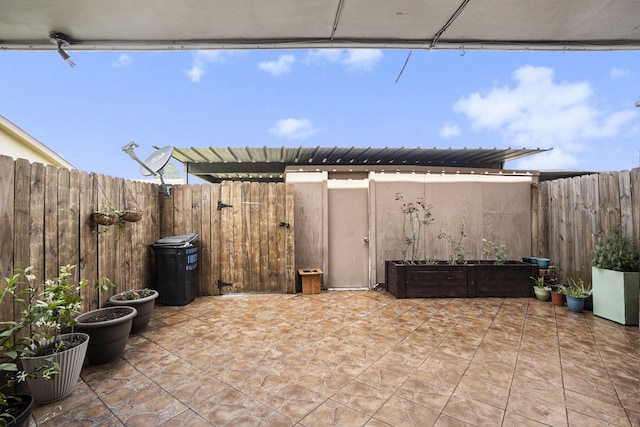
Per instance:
{"type": "Point", "coordinates": [269, 164]}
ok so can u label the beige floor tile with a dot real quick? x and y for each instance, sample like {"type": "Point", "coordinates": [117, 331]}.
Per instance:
{"type": "Point", "coordinates": [186, 419]}
{"type": "Point", "coordinates": [534, 389]}
{"type": "Point", "coordinates": [334, 414]}
{"type": "Point", "coordinates": [580, 420]}
{"type": "Point", "coordinates": [432, 396]}
{"type": "Point", "coordinates": [549, 413]}
{"type": "Point", "coordinates": [592, 407]}
{"type": "Point", "coordinates": [482, 391]}
{"type": "Point", "coordinates": [400, 412]}
{"type": "Point", "coordinates": [473, 411]}
{"type": "Point", "coordinates": [361, 397]}
{"type": "Point", "coordinates": [491, 372]}
{"type": "Point", "coordinates": [515, 420]}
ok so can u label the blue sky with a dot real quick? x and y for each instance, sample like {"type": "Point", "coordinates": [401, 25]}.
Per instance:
{"type": "Point", "coordinates": [581, 104]}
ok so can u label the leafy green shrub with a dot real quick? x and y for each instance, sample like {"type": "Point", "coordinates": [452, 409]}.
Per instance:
{"type": "Point", "coordinates": [616, 251]}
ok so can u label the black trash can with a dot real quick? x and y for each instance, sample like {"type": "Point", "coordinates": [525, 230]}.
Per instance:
{"type": "Point", "coordinates": [176, 269]}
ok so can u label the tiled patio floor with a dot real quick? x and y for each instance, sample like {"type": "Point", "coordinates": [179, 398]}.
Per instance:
{"type": "Point", "coordinates": [363, 358]}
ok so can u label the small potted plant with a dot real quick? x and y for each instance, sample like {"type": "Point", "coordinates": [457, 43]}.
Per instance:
{"type": "Point", "coordinates": [576, 292]}
{"type": "Point", "coordinates": [143, 300]}
{"type": "Point", "coordinates": [541, 290]}
{"type": "Point", "coordinates": [557, 297]}
{"type": "Point", "coordinates": [616, 277]}
{"type": "Point", "coordinates": [34, 347]}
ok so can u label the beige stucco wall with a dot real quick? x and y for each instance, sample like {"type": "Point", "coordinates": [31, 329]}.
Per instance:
{"type": "Point", "coordinates": [495, 207]}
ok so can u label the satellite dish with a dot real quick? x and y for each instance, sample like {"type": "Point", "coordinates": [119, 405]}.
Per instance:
{"type": "Point", "coordinates": [156, 161]}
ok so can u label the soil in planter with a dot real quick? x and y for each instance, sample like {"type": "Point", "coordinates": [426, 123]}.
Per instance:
{"type": "Point", "coordinates": [49, 349]}
{"type": "Point", "coordinates": [15, 408]}
{"type": "Point", "coordinates": [106, 315]}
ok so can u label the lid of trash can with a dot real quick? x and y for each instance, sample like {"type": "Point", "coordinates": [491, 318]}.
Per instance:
{"type": "Point", "coordinates": [180, 241]}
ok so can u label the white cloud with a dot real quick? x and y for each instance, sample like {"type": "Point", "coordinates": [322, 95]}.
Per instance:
{"type": "Point", "coordinates": [450, 130]}
{"type": "Point", "coordinates": [538, 112]}
{"type": "Point", "coordinates": [352, 59]}
{"type": "Point", "coordinates": [293, 128]}
{"type": "Point", "coordinates": [200, 60]}
{"type": "Point", "coordinates": [279, 67]}
{"type": "Point", "coordinates": [619, 73]}
{"type": "Point", "coordinates": [123, 61]}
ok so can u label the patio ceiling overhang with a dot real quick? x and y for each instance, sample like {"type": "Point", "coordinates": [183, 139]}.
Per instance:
{"type": "Point", "coordinates": [286, 24]}
{"type": "Point", "coordinates": [269, 164]}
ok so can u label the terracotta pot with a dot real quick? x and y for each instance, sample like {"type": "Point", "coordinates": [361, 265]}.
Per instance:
{"type": "Point", "coordinates": [557, 298]}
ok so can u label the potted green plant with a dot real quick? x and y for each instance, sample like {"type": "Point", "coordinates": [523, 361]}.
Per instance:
{"type": "Point", "coordinates": [50, 360]}
{"type": "Point", "coordinates": [108, 328]}
{"type": "Point", "coordinates": [576, 292]}
{"type": "Point", "coordinates": [557, 297]}
{"type": "Point", "coordinates": [143, 300]}
{"type": "Point", "coordinates": [616, 278]}
{"type": "Point", "coordinates": [541, 290]}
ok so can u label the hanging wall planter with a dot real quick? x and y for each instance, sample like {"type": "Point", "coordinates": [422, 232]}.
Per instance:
{"type": "Point", "coordinates": [105, 218]}
{"type": "Point", "coordinates": [132, 216]}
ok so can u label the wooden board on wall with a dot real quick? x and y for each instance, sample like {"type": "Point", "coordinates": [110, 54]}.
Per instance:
{"type": "Point", "coordinates": [21, 213]}
{"type": "Point", "coordinates": [7, 194]}
{"type": "Point", "coordinates": [36, 220]}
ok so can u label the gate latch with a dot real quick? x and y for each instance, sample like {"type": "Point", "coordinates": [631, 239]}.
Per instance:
{"type": "Point", "coordinates": [223, 205]}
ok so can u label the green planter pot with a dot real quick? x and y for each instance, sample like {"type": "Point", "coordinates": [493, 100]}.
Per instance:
{"type": "Point", "coordinates": [615, 295]}
{"type": "Point", "coordinates": [542, 294]}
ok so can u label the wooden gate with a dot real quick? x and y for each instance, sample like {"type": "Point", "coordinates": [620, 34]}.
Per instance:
{"type": "Point", "coordinates": [246, 234]}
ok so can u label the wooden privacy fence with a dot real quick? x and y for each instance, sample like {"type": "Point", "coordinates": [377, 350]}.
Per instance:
{"type": "Point", "coordinates": [46, 222]}
{"type": "Point", "coordinates": [570, 214]}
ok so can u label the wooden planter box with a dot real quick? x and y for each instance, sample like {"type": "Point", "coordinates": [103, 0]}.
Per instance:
{"type": "Point", "coordinates": [509, 280]}
{"type": "Point", "coordinates": [474, 279]}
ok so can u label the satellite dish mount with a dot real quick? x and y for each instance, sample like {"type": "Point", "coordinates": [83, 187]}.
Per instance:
{"type": "Point", "coordinates": [154, 164]}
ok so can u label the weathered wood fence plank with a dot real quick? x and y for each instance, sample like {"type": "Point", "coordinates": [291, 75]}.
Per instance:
{"type": "Point", "coordinates": [576, 211]}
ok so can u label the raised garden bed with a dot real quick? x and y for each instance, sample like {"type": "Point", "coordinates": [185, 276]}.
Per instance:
{"type": "Point", "coordinates": [474, 279]}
